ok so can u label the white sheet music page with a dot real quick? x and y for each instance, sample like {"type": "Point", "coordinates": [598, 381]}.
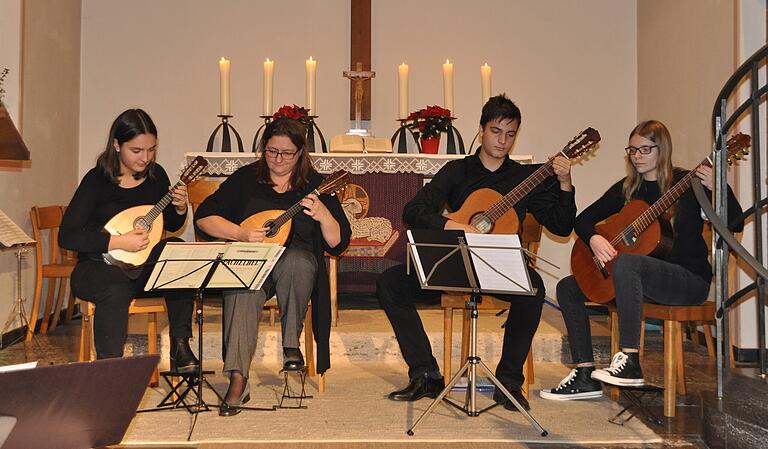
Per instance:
{"type": "Point", "coordinates": [186, 266]}
{"type": "Point", "coordinates": [493, 258]}
{"type": "Point", "coordinates": [252, 262]}
{"type": "Point", "coordinates": [11, 234]}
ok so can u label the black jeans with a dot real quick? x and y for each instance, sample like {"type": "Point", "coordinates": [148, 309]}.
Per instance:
{"type": "Point", "coordinates": [112, 290]}
{"type": "Point", "coordinates": [637, 279]}
{"type": "Point", "coordinates": [398, 294]}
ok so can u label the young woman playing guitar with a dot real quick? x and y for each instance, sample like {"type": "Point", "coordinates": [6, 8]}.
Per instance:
{"type": "Point", "coordinates": [125, 176]}
{"type": "Point", "coordinates": [280, 178]}
{"type": "Point", "coordinates": [682, 278]}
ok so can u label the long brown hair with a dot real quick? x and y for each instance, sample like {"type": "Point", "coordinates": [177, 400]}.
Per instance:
{"type": "Point", "coordinates": [126, 127]}
{"type": "Point", "coordinates": [656, 132]}
{"type": "Point", "coordinates": [297, 132]}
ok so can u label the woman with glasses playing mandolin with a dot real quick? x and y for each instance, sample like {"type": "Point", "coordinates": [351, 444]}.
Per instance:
{"type": "Point", "coordinates": [625, 258]}
{"type": "Point", "coordinates": [111, 267]}
{"type": "Point", "coordinates": [280, 179]}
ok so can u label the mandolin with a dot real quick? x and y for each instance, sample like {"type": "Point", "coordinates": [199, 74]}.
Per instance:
{"type": "Point", "coordinates": [279, 221]}
{"type": "Point", "coordinates": [495, 219]}
{"type": "Point", "coordinates": [146, 217]}
{"type": "Point", "coordinates": [638, 229]}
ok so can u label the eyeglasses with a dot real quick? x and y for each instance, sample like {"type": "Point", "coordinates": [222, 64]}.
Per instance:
{"type": "Point", "coordinates": [273, 153]}
{"type": "Point", "coordinates": [645, 149]}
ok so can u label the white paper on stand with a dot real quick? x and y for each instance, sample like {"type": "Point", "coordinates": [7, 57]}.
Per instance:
{"type": "Point", "coordinates": [493, 264]}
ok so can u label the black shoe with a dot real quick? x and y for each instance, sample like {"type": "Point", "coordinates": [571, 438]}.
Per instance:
{"type": "Point", "coordinates": [419, 387]}
{"type": "Point", "coordinates": [625, 371]}
{"type": "Point", "coordinates": [293, 360]}
{"type": "Point", "coordinates": [499, 397]}
{"type": "Point", "coordinates": [232, 408]}
{"type": "Point", "coordinates": [183, 360]}
{"type": "Point", "coordinates": [577, 385]}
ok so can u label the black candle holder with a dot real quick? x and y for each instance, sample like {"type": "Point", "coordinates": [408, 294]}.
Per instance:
{"type": "Point", "coordinates": [454, 136]}
{"type": "Point", "coordinates": [401, 136]}
{"type": "Point", "coordinates": [255, 146]}
{"type": "Point", "coordinates": [226, 140]}
{"type": "Point", "coordinates": [311, 128]}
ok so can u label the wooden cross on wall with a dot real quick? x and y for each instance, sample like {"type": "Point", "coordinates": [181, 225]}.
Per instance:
{"type": "Point", "coordinates": [360, 41]}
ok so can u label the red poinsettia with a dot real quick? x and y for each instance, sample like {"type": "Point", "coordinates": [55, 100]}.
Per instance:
{"type": "Point", "coordinates": [295, 112]}
{"type": "Point", "coordinates": [430, 121]}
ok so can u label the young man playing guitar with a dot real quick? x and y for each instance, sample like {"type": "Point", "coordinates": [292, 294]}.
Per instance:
{"type": "Point", "coordinates": [551, 202]}
{"type": "Point", "coordinates": [126, 176]}
{"type": "Point", "coordinates": [682, 278]}
{"type": "Point", "coordinates": [281, 178]}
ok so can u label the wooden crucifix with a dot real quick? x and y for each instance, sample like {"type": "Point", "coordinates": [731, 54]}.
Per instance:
{"type": "Point", "coordinates": [358, 76]}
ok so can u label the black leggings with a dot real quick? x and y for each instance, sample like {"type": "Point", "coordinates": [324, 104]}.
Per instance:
{"type": "Point", "coordinates": [112, 290]}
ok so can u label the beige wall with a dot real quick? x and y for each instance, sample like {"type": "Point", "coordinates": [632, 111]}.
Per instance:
{"type": "Point", "coordinates": [685, 53]}
{"type": "Point", "coordinates": [568, 65]}
{"type": "Point", "coordinates": [50, 114]}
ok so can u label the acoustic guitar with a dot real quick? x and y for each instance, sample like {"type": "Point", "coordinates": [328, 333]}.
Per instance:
{"type": "Point", "coordinates": [637, 229]}
{"type": "Point", "coordinates": [146, 217]}
{"type": "Point", "coordinates": [279, 221]}
{"type": "Point", "coordinates": [494, 219]}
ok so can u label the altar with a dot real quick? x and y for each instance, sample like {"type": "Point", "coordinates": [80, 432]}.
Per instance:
{"type": "Point", "coordinates": [379, 187]}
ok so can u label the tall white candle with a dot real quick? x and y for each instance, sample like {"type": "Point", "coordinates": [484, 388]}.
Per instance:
{"type": "Point", "coordinates": [448, 86]}
{"type": "Point", "coordinates": [266, 87]}
{"type": "Point", "coordinates": [224, 86]}
{"type": "Point", "coordinates": [311, 85]}
{"type": "Point", "coordinates": [485, 83]}
{"type": "Point", "coordinates": [402, 89]}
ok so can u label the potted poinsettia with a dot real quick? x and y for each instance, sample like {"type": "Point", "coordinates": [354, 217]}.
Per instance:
{"type": "Point", "coordinates": [427, 124]}
{"type": "Point", "coordinates": [295, 112]}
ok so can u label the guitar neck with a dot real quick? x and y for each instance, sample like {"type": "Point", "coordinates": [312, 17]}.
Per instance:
{"type": "Point", "coordinates": [499, 208]}
{"type": "Point", "coordinates": [651, 214]}
{"type": "Point", "coordinates": [160, 206]}
{"type": "Point", "coordinates": [291, 212]}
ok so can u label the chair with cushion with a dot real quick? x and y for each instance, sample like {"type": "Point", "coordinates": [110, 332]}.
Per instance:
{"type": "Point", "coordinates": [530, 239]}
{"type": "Point", "coordinates": [57, 268]}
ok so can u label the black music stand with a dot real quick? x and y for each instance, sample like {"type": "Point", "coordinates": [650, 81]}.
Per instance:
{"type": "Point", "coordinates": [445, 261]}
{"type": "Point", "coordinates": [242, 273]}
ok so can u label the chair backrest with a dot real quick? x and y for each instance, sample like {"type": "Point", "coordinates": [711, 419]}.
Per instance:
{"type": "Point", "coordinates": [198, 190]}
{"type": "Point", "coordinates": [49, 218]}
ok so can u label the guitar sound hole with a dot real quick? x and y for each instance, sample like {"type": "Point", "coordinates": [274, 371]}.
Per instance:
{"type": "Point", "coordinates": [272, 228]}
{"type": "Point", "coordinates": [482, 223]}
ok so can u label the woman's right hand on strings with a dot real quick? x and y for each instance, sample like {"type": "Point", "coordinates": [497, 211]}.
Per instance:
{"type": "Point", "coordinates": [133, 241]}
{"type": "Point", "coordinates": [252, 234]}
{"type": "Point", "coordinates": [602, 248]}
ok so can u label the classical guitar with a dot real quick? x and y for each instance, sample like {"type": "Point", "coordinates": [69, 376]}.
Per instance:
{"type": "Point", "coordinates": [146, 217]}
{"type": "Point", "coordinates": [638, 229]}
{"type": "Point", "coordinates": [279, 221]}
{"type": "Point", "coordinates": [494, 219]}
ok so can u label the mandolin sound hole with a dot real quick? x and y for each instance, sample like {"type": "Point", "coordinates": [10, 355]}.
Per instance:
{"type": "Point", "coordinates": [272, 228]}
{"type": "Point", "coordinates": [482, 223]}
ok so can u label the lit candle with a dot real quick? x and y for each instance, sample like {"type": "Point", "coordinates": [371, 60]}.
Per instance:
{"type": "Point", "coordinates": [266, 87]}
{"type": "Point", "coordinates": [224, 86]}
{"type": "Point", "coordinates": [402, 89]}
{"type": "Point", "coordinates": [311, 84]}
{"type": "Point", "coordinates": [485, 83]}
{"type": "Point", "coordinates": [448, 86]}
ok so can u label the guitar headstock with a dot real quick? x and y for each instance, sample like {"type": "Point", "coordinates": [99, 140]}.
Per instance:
{"type": "Point", "coordinates": [581, 143]}
{"type": "Point", "coordinates": [194, 169]}
{"type": "Point", "coordinates": [736, 148]}
{"type": "Point", "coordinates": [334, 183]}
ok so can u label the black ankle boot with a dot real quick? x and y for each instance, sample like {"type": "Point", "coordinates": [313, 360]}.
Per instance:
{"type": "Point", "coordinates": [183, 360]}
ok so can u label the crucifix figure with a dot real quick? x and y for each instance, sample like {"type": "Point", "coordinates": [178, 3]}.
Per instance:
{"type": "Point", "coordinates": [358, 76]}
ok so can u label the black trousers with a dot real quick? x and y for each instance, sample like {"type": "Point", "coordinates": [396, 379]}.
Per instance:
{"type": "Point", "coordinates": [112, 290]}
{"type": "Point", "coordinates": [398, 295]}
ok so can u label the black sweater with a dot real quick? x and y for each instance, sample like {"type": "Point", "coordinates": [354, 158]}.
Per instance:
{"type": "Point", "coordinates": [98, 199]}
{"type": "Point", "coordinates": [689, 250]}
{"type": "Point", "coordinates": [552, 207]}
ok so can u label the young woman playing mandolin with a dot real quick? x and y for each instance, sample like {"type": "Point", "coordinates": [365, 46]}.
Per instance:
{"type": "Point", "coordinates": [681, 278]}
{"type": "Point", "coordinates": [282, 177]}
{"type": "Point", "coordinates": [126, 176]}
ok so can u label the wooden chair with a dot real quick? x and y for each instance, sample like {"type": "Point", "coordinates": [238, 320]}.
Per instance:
{"type": "Point", "coordinates": [150, 306]}
{"type": "Point", "coordinates": [197, 192]}
{"type": "Point", "coordinates": [56, 268]}
{"type": "Point", "coordinates": [674, 361]}
{"type": "Point", "coordinates": [530, 239]}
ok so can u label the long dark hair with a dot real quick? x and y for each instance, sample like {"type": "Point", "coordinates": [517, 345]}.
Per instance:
{"type": "Point", "coordinates": [126, 127]}
{"type": "Point", "coordinates": [297, 132]}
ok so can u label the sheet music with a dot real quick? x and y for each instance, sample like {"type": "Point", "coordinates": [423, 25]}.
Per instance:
{"type": "Point", "coordinates": [492, 264]}
{"type": "Point", "coordinates": [242, 258]}
{"type": "Point", "coordinates": [11, 234]}
{"type": "Point", "coordinates": [416, 260]}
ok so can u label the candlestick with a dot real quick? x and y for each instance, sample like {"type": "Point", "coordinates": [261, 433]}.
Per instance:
{"type": "Point", "coordinates": [485, 83]}
{"type": "Point", "coordinates": [266, 87]}
{"type": "Point", "coordinates": [311, 84]}
{"type": "Point", "coordinates": [402, 89]}
{"type": "Point", "coordinates": [448, 86]}
{"type": "Point", "coordinates": [224, 86]}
